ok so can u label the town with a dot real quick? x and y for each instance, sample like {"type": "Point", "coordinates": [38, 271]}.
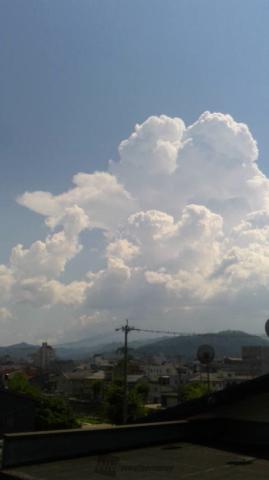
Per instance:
{"type": "Point", "coordinates": [91, 389]}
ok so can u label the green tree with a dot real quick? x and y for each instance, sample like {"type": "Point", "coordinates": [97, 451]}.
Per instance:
{"type": "Point", "coordinates": [18, 382]}
{"type": "Point", "coordinates": [54, 413]}
{"type": "Point", "coordinates": [113, 404]}
{"type": "Point", "coordinates": [142, 389]}
{"type": "Point", "coordinates": [50, 412]}
{"type": "Point", "coordinates": [192, 390]}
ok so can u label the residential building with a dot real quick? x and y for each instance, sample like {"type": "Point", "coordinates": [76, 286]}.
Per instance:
{"type": "Point", "coordinates": [44, 356]}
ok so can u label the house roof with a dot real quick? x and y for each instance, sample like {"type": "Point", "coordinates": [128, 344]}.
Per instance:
{"type": "Point", "coordinates": [85, 375]}
{"type": "Point", "coordinates": [135, 378]}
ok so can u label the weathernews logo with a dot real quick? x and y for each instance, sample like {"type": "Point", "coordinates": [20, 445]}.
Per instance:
{"type": "Point", "coordinates": [109, 466]}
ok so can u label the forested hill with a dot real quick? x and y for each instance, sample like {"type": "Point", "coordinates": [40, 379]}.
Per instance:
{"type": "Point", "coordinates": [226, 343]}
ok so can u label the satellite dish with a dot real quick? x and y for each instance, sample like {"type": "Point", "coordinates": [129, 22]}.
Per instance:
{"type": "Point", "coordinates": [206, 354]}
{"type": "Point", "coordinates": [267, 327]}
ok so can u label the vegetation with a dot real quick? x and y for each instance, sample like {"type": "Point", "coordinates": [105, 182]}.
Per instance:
{"type": "Point", "coordinates": [192, 390]}
{"type": "Point", "coordinates": [113, 404]}
{"type": "Point", "coordinates": [52, 412]}
{"type": "Point", "coordinates": [142, 389]}
{"type": "Point", "coordinates": [89, 419]}
{"type": "Point", "coordinates": [18, 383]}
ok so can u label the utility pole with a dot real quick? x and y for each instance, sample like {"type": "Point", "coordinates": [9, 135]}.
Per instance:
{"type": "Point", "coordinates": [126, 329]}
{"type": "Point", "coordinates": [208, 379]}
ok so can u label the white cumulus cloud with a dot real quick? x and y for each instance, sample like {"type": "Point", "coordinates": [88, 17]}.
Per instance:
{"type": "Point", "coordinates": [185, 217]}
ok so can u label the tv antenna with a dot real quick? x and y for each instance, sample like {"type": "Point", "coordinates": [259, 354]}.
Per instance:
{"type": "Point", "coordinates": [206, 355]}
{"type": "Point", "coordinates": [267, 327]}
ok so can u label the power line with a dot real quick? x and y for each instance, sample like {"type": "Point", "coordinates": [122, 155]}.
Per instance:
{"type": "Point", "coordinates": [167, 332]}
{"type": "Point", "coordinates": [188, 334]}
{"type": "Point", "coordinates": [126, 329]}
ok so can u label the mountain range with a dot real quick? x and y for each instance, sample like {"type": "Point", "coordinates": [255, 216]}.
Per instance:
{"type": "Point", "coordinates": [226, 343]}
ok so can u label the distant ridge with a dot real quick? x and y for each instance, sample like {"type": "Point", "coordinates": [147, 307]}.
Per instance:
{"type": "Point", "coordinates": [73, 350]}
{"type": "Point", "coordinates": [225, 343]}
{"type": "Point", "coordinates": [18, 350]}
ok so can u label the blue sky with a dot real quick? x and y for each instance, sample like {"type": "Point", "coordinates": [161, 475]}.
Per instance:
{"type": "Point", "coordinates": [76, 76]}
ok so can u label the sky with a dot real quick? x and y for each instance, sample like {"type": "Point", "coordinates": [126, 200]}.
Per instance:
{"type": "Point", "coordinates": [134, 166]}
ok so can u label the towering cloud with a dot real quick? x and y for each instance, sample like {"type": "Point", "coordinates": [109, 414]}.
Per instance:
{"type": "Point", "coordinates": [185, 218]}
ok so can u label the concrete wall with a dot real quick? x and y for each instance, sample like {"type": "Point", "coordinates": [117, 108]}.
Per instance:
{"type": "Point", "coordinates": [31, 448]}
{"type": "Point", "coordinates": [231, 433]}
{"type": "Point", "coordinates": [37, 447]}
{"type": "Point", "coordinates": [253, 408]}
{"type": "Point", "coordinates": [17, 413]}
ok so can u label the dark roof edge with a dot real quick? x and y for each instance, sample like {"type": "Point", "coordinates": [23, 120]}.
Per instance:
{"type": "Point", "coordinates": [208, 402]}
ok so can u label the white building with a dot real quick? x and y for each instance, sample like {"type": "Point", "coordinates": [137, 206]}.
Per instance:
{"type": "Point", "coordinates": [44, 356]}
{"type": "Point", "coordinates": [154, 372]}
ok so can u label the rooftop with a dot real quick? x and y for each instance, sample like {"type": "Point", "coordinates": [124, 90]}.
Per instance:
{"type": "Point", "coordinates": [223, 436]}
{"type": "Point", "coordinates": [169, 462]}
{"type": "Point", "coordinates": [85, 375]}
